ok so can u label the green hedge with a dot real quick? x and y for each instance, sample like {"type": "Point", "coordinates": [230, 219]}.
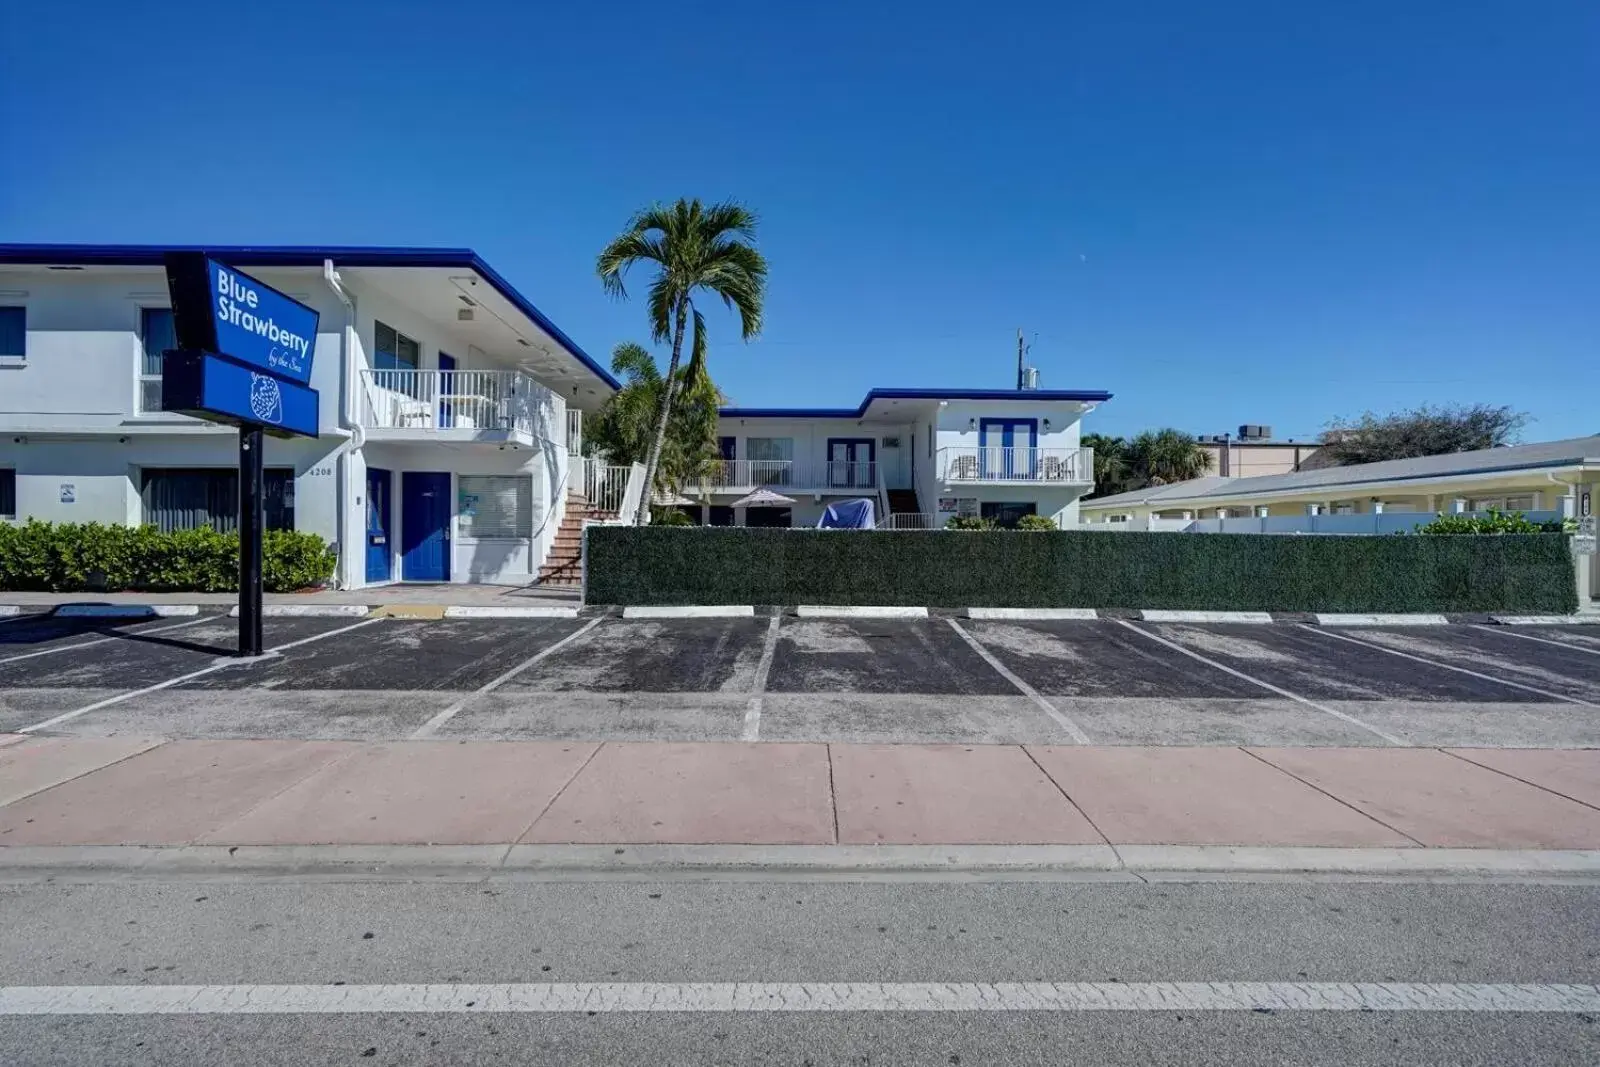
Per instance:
{"type": "Point", "coordinates": [723, 565]}
{"type": "Point", "coordinates": [73, 557]}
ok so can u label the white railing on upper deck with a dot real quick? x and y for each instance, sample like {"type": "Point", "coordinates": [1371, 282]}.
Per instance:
{"type": "Point", "coordinates": [1059, 466]}
{"type": "Point", "coordinates": [462, 400]}
{"type": "Point", "coordinates": [731, 474]}
{"type": "Point", "coordinates": [911, 520]}
{"type": "Point", "coordinates": [575, 431]}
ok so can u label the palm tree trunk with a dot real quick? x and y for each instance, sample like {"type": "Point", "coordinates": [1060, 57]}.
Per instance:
{"type": "Point", "coordinates": [660, 440]}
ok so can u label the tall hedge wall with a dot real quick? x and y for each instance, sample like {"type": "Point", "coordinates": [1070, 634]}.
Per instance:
{"type": "Point", "coordinates": [727, 565]}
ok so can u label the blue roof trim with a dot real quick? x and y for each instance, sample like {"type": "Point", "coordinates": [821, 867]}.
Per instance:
{"type": "Point", "coordinates": [303, 256]}
{"type": "Point", "coordinates": [1079, 395]}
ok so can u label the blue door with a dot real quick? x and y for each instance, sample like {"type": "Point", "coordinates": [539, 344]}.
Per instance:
{"type": "Point", "coordinates": [379, 516]}
{"type": "Point", "coordinates": [1008, 448]}
{"type": "Point", "coordinates": [425, 526]}
{"type": "Point", "coordinates": [447, 389]}
{"type": "Point", "coordinates": [852, 462]}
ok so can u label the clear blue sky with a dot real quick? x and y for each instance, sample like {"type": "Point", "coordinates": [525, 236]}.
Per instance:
{"type": "Point", "coordinates": [1223, 212]}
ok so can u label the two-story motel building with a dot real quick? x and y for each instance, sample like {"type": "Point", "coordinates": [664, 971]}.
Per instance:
{"type": "Point", "coordinates": [451, 422]}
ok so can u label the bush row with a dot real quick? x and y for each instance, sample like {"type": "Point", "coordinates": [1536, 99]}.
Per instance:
{"type": "Point", "coordinates": [1102, 569]}
{"type": "Point", "coordinates": [72, 557]}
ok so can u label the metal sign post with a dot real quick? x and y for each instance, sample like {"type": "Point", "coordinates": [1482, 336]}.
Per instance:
{"type": "Point", "coordinates": [244, 357]}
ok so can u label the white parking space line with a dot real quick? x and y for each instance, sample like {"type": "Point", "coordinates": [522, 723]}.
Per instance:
{"type": "Point", "coordinates": [431, 727]}
{"type": "Point", "coordinates": [1451, 667]}
{"type": "Point", "coordinates": [752, 714]}
{"type": "Point", "coordinates": [1506, 631]}
{"type": "Point", "coordinates": [221, 664]}
{"type": "Point", "coordinates": [771, 997]}
{"type": "Point", "coordinates": [1073, 729]}
{"type": "Point", "coordinates": [1288, 695]}
{"type": "Point", "coordinates": [103, 640]}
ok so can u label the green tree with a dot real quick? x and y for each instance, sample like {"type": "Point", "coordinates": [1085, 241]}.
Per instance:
{"type": "Point", "coordinates": [1162, 457]}
{"type": "Point", "coordinates": [1112, 472]}
{"type": "Point", "coordinates": [1426, 431]}
{"type": "Point", "coordinates": [695, 249]}
{"type": "Point", "coordinates": [625, 427]}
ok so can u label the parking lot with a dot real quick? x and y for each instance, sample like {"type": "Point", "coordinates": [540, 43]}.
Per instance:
{"type": "Point", "coordinates": [783, 678]}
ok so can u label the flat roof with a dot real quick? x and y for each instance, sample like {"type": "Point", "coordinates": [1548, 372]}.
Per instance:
{"type": "Point", "coordinates": [1093, 396]}
{"type": "Point", "coordinates": [86, 255]}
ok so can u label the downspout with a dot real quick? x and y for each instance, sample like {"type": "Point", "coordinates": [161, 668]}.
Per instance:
{"type": "Point", "coordinates": [348, 554]}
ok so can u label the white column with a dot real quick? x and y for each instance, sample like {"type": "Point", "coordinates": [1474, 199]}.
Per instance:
{"type": "Point", "coordinates": [1377, 507]}
{"type": "Point", "coordinates": [1314, 509]}
{"type": "Point", "coordinates": [1538, 500]}
{"type": "Point", "coordinates": [1262, 512]}
{"type": "Point", "coordinates": [1458, 505]}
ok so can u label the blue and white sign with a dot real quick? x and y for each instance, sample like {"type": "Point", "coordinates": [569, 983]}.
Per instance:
{"type": "Point", "coordinates": [204, 384]}
{"type": "Point", "coordinates": [258, 325]}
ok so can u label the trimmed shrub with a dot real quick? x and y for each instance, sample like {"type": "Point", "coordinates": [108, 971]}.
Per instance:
{"type": "Point", "coordinates": [91, 556]}
{"type": "Point", "coordinates": [1076, 568]}
{"type": "Point", "coordinates": [1494, 522]}
{"type": "Point", "coordinates": [969, 522]}
{"type": "Point", "coordinates": [1035, 522]}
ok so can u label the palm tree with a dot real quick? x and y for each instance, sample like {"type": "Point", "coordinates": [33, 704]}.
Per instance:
{"type": "Point", "coordinates": [694, 248]}
{"type": "Point", "coordinates": [625, 427]}
{"type": "Point", "coordinates": [1162, 457]}
{"type": "Point", "coordinates": [1111, 469]}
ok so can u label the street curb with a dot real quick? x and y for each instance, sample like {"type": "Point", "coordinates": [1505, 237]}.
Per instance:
{"type": "Point", "coordinates": [124, 611]}
{"type": "Point", "coordinates": [410, 611]}
{"type": "Point", "coordinates": [308, 611]}
{"type": "Point", "coordinates": [887, 611]}
{"type": "Point", "coordinates": [1547, 620]}
{"type": "Point", "coordinates": [1035, 614]}
{"type": "Point", "coordinates": [479, 862]}
{"type": "Point", "coordinates": [1162, 615]}
{"type": "Point", "coordinates": [1344, 619]}
{"type": "Point", "coordinates": [468, 611]}
{"type": "Point", "coordinates": [691, 611]}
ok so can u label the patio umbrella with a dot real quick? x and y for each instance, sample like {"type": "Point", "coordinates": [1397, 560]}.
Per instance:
{"type": "Point", "coordinates": [762, 498]}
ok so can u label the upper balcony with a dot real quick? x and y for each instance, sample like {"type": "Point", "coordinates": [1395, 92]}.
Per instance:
{"type": "Point", "coordinates": [1032, 466]}
{"type": "Point", "coordinates": [836, 476]}
{"type": "Point", "coordinates": [463, 406]}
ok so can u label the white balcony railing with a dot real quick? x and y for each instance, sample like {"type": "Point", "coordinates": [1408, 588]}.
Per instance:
{"type": "Point", "coordinates": [606, 487]}
{"type": "Point", "coordinates": [911, 520]}
{"type": "Point", "coordinates": [430, 400]}
{"type": "Point", "coordinates": [745, 474]}
{"type": "Point", "coordinates": [1051, 466]}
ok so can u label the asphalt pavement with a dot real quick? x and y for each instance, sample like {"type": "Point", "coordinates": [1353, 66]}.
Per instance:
{"type": "Point", "coordinates": [235, 936]}
{"type": "Point", "coordinates": [808, 679]}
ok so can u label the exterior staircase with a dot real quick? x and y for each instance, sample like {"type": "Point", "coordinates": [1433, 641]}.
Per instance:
{"type": "Point", "coordinates": [564, 567]}
{"type": "Point", "coordinates": [903, 502]}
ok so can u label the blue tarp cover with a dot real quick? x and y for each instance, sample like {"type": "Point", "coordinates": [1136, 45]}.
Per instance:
{"type": "Point", "coordinates": [848, 515]}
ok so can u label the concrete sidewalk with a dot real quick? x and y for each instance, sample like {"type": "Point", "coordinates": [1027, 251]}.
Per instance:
{"type": "Point", "coordinates": [62, 791]}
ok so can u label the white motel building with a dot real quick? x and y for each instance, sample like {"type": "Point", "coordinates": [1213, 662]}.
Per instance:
{"type": "Point", "coordinates": [450, 446]}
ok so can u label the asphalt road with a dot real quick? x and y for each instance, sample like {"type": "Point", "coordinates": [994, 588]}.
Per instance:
{"type": "Point", "coordinates": [239, 932]}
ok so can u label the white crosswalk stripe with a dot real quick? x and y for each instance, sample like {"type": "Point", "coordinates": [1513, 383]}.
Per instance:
{"type": "Point", "coordinates": [653, 997]}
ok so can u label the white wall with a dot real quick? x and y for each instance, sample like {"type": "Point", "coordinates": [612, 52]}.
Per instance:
{"type": "Point", "coordinates": [104, 474]}
{"type": "Point", "coordinates": [494, 561]}
{"type": "Point", "coordinates": [811, 442]}
{"type": "Point", "coordinates": [960, 422]}
{"type": "Point", "coordinates": [84, 353]}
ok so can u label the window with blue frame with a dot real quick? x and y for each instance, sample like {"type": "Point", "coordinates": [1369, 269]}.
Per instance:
{"type": "Point", "coordinates": [156, 335]}
{"type": "Point", "coordinates": [13, 333]}
{"type": "Point", "coordinates": [393, 350]}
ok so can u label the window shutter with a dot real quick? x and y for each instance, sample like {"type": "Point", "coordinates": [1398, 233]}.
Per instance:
{"type": "Point", "coordinates": [495, 506]}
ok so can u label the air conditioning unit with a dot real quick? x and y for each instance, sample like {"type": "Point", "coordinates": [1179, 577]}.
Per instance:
{"type": "Point", "coordinates": [464, 314]}
{"type": "Point", "coordinates": [1254, 432]}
